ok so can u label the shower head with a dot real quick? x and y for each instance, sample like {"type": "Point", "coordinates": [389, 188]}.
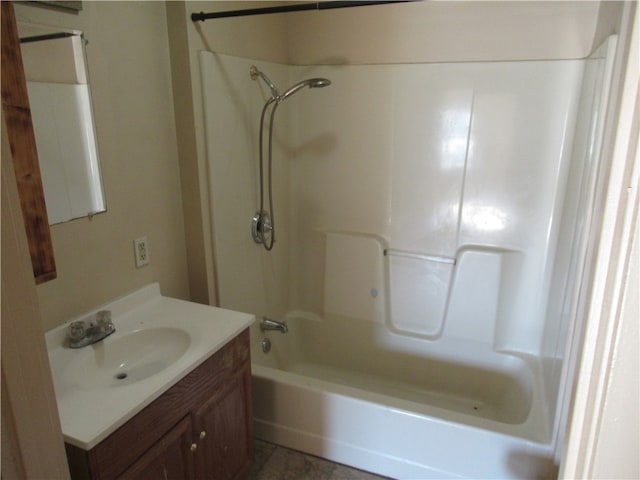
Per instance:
{"type": "Point", "coordinates": [254, 72]}
{"type": "Point", "coordinates": [275, 95]}
{"type": "Point", "coordinates": [311, 83]}
{"type": "Point", "coordinates": [319, 82]}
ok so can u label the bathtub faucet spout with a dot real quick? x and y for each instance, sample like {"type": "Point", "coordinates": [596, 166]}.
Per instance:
{"type": "Point", "coordinates": [268, 324]}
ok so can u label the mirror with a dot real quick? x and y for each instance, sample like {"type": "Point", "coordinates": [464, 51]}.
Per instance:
{"type": "Point", "coordinates": [60, 102]}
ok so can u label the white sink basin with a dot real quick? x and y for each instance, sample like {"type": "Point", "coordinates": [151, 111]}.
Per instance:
{"type": "Point", "coordinates": [118, 361]}
{"type": "Point", "coordinates": [158, 340]}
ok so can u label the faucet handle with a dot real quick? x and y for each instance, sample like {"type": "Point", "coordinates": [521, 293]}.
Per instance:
{"type": "Point", "coordinates": [103, 317]}
{"type": "Point", "coordinates": [104, 323]}
{"type": "Point", "coordinates": [77, 330]}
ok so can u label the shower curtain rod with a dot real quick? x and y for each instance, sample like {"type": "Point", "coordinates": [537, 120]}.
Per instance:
{"type": "Point", "coordinates": [300, 7]}
{"type": "Point", "coordinates": [49, 36]}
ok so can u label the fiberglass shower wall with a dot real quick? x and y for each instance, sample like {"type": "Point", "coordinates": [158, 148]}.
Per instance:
{"type": "Point", "coordinates": [456, 171]}
{"type": "Point", "coordinates": [254, 280]}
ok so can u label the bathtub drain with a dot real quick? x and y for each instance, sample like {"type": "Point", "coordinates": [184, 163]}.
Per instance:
{"type": "Point", "coordinates": [266, 345]}
{"type": "Point", "coordinates": [120, 376]}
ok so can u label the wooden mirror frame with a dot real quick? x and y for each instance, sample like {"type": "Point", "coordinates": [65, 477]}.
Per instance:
{"type": "Point", "coordinates": [15, 106]}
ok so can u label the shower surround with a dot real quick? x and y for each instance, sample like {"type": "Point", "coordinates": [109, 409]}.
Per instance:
{"type": "Point", "coordinates": [427, 256]}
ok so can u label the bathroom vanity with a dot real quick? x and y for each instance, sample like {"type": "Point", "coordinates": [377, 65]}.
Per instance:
{"type": "Point", "coordinates": [168, 395]}
{"type": "Point", "coordinates": [199, 428]}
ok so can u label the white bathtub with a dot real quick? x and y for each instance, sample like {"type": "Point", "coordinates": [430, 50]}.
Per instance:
{"type": "Point", "coordinates": [385, 406]}
{"type": "Point", "coordinates": [440, 234]}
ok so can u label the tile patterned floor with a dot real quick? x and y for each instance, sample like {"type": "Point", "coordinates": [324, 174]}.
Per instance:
{"type": "Point", "coordinates": [273, 462]}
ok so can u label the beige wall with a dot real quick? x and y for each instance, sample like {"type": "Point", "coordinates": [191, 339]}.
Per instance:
{"type": "Point", "coordinates": [261, 37]}
{"type": "Point", "coordinates": [130, 76]}
{"type": "Point", "coordinates": [444, 31]}
{"type": "Point", "coordinates": [55, 61]}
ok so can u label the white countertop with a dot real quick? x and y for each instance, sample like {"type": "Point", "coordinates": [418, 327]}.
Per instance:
{"type": "Point", "coordinates": [89, 413]}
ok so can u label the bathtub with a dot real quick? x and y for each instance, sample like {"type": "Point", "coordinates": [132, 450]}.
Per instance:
{"type": "Point", "coordinates": [385, 406]}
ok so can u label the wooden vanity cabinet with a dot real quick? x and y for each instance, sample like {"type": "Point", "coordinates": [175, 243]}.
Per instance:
{"type": "Point", "coordinates": [169, 458]}
{"type": "Point", "coordinates": [201, 428]}
{"type": "Point", "coordinates": [224, 449]}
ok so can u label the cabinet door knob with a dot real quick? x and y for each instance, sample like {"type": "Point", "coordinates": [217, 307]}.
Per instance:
{"type": "Point", "coordinates": [203, 434]}
{"type": "Point", "coordinates": [193, 447]}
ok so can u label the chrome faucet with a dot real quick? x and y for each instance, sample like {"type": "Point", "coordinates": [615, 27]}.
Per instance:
{"type": "Point", "coordinates": [268, 324]}
{"type": "Point", "coordinates": [88, 331]}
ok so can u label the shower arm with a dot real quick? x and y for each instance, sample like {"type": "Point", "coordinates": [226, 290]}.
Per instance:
{"type": "Point", "coordinates": [255, 73]}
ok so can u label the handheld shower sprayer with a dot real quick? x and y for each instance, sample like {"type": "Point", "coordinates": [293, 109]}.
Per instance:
{"type": "Point", "coordinates": [262, 223]}
{"type": "Point", "coordinates": [275, 95]}
{"type": "Point", "coordinates": [311, 83]}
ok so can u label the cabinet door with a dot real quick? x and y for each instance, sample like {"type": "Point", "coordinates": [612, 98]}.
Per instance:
{"type": "Point", "coordinates": [225, 430]}
{"type": "Point", "coordinates": [171, 458]}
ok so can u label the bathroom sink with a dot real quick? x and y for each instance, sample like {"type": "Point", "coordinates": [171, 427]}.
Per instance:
{"type": "Point", "coordinates": [158, 340]}
{"type": "Point", "coordinates": [126, 359]}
